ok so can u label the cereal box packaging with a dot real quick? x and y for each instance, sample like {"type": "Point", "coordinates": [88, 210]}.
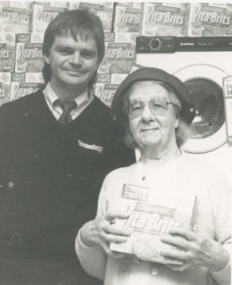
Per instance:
{"type": "Point", "coordinates": [21, 89]}
{"type": "Point", "coordinates": [5, 84]}
{"type": "Point", "coordinates": [43, 15]}
{"type": "Point", "coordinates": [14, 19]}
{"type": "Point", "coordinates": [120, 54]}
{"type": "Point", "coordinates": [127, 19]}
{"type": "Point", "coordinates": [106, 86]}
{"type": "Point", "coordinates": [7, 52]}
{"type": "Point", "coordinates": [165, 19]}
{"type": "Point", "coordinates": [104, 10]}
{"type": "Point", "coordinates": [207, 20]}
{"type": "Point", "coordinates": [150, 217]}
{"type": "Point", "coordinates": [29, 56]}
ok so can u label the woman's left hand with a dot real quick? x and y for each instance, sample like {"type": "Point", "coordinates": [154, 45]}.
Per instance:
{"type": "Point", "coordinates": [195, 250]}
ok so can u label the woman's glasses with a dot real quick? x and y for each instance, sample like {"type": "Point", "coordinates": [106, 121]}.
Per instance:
{"type": "Point", "coordinates": [158, 106]}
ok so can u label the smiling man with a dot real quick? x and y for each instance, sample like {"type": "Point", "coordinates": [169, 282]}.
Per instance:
{"type": "Point", "coordinates": [55, 149]}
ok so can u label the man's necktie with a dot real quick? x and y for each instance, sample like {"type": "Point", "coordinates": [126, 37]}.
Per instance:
{"type": "Point", "coordinates": [67, 107]}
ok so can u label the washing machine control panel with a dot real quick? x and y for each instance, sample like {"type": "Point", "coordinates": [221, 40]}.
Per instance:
{"type": "Point", "coordinates": [146, 44]}
{"type": "Point", "coordinates": [155, 44]}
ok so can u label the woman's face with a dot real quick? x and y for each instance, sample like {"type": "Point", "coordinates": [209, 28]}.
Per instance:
{"type": "Point", "coordinates": [151, 124]}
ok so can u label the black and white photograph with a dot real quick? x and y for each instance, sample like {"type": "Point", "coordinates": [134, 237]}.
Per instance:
{"type": "Point", "coordinates": [115, 142]}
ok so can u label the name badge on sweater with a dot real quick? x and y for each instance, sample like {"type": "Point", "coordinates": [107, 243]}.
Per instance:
{"type": "Point", "coordinates": [90, 146]}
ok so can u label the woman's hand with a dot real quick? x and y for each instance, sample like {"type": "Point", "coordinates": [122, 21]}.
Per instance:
{"type": "Point", "coordinates": [194, 249]}
{"type": "Point", "coordinates": [103, 230]}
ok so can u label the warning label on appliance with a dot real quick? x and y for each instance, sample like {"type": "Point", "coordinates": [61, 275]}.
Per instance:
{"type": "Point", "coordinates": [227, 88]}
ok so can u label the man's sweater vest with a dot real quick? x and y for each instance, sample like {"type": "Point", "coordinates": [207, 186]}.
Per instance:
{"type": "Point", "coordinates": [50, 176]}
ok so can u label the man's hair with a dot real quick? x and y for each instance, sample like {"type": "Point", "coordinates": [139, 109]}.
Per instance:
{"type": "Point", "coordinates": [183, 131]}
{"type": "Point", "coordinates": [76, 22]}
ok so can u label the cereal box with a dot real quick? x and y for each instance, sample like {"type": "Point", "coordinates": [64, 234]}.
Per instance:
{"type": "Point", "coordinates": [14, 19]}
{"type": "Point", "coordinates": [106, 86]}
{"type": "Point", "coordinates": [5, 83]}
{"type": "Point", "coordinates": [106, 91]}
{"type": "Point", "coordinates": [7, 52]}
{"type": "Point", "coordinates": [43, 15]}
{"type": "Point", "coordinates": [120, 54]}
{"type": "Point", "coordinates": [165, 19]}
{"type": "Point", "coordinates": [127, 19]}
{"type": "Point", "coordinates": [21, 89]}
{"type": "Point", "coordinates": [151, 217]}
{"type": "Point", "coordinates": [210, 20]}
{"type": "Point", "coordinates": [29, 56]}
{"type": "Point", "coordinates": [104, 10]}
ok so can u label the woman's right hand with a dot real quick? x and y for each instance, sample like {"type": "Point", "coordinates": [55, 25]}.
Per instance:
{"type": "Point", "coordinates": [103, 230]}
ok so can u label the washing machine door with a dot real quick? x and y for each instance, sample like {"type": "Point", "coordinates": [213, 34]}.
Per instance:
{"type": "Point", "coordinates": [204, 83]}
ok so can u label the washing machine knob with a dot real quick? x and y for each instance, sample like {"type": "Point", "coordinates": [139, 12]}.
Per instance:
{"type": "Point", "coordinates": [155, 44]}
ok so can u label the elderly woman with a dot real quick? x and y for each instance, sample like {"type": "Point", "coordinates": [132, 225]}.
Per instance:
{"type": "Point", "coordinates": [154, 110]}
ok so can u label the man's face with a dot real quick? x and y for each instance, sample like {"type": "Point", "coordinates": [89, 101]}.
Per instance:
{"type": "Point", "coordinates": [72, 62]}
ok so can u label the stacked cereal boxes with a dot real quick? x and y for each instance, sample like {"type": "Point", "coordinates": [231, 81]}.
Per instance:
{"type": "Point", "coordinates": [23, 23]}
{"type": "Point", "coordinates": [28, 66]}
{"type": "Point", "coordinates": [120, 50]}
{"type": "Point", "coordinates": [116, 65]}
{"type": "Point", "coordinates": [15, 18]}
{"type": "Point", "coordinates": [7, 52]}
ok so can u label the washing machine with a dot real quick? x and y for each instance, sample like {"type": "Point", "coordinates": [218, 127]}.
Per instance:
{"type": "Point", "coordinates": [203, 64]}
